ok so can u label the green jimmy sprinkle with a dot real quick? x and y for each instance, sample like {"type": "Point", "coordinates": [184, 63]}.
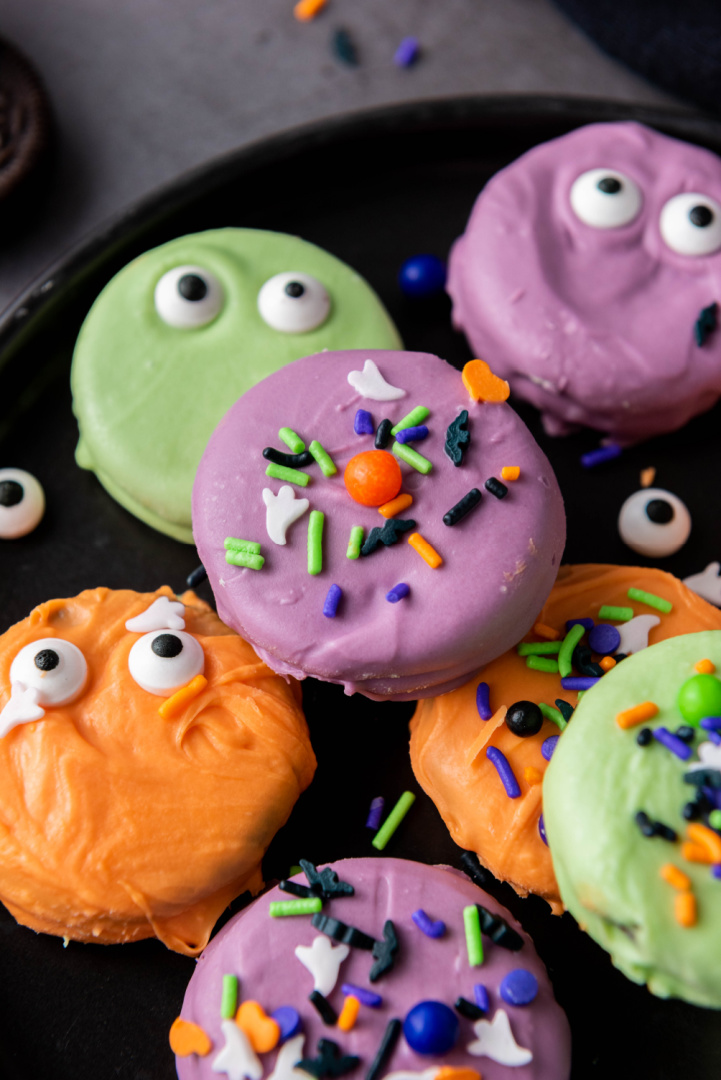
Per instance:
{"type": "Point", "coordinates": [229, 998]}
{"type": "Point", "coordinates": [554, 715]}
{"type": "Point", "coordinates": [650, 599]}
{"type": "Point", "coordinates": [303, 906]}
{"type": "Point", "coordinates": [355, 542]}
{"type": "Point", "coordinates": [412, 458]}
{"type": "Point", "coordinates": [393, 820]}
{"type": "Point", "coordinates": [618, 614]}
{"type": "Point", "coordinates": [315, 541]}
{"type": "Point", "coordinates": [538, 648]}
{"type": "Point", "coordinates": [323, 458]}
{"type": "Point", "coordinates": [294, 442]}
{"type": "Point", "coordinates": [243, 553]}
{"type": "Point", "coordinates": [292, 476]}
{"type": "Point", "coordinates": [568, 644]}
{"type": "Point", "coordinates": [474, 942]}
{"type": "Point", "coordinates": [250, 546]}
{"type": "Point", "coordinates": [415, 416]}
{"type": "Point", "coordinates": [542, 663]}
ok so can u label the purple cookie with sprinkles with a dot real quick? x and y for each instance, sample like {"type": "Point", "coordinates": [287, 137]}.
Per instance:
{"type": "Point", "coordinates": [397, 569]}
{"type": "Point", "coordinates": [363, 985]}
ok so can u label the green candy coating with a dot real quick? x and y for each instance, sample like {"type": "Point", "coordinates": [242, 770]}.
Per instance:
{"type": "Point", "coordinates": [148, 395]}
{"type": "Point", "coordinates": [699, 696]}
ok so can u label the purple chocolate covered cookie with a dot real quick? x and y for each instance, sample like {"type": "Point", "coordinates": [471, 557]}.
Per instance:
{"type": "Point", "coordinates": [387, 963]}
{"type": "Point", "coordinates": [363, 520]}
{"type": "Point", "coordinates": [589, 276]}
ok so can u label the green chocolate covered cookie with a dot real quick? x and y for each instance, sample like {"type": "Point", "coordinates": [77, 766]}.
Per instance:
{"type": "Point", "coordinates": [180, 333]}
{"type": "Point", "coordinates": [632, 825]}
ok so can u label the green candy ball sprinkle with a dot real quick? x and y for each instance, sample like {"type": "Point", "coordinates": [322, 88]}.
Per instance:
{"type": "Point", "coordinates": [698, 697]}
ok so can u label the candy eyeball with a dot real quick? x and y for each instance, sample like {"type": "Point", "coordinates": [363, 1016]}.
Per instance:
{"type": "Point", "coordinates": [164, 660]}
{"type": "Point", "coordinates": [293, 303]}
{"type": "Point", "coordinates": [690, 224]}
{"type": "Point", "coordinates": [654, 523]}
{"type": "Point", "coordinates": [55, 668]}
{"type": "Point", "coordinates": [22, 503]}
{"type": "Point", "coordinates": [188, 297]}
{"type": "Point", "coordinates": [605, 198]}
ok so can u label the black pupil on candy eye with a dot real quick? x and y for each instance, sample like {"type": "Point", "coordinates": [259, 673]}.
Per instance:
{"type": "Point", "coordinates": [701, 216]}
{"type": "Point", "coordinates": [609, 185]}
{"type": "Point", "coordinates": [167, 645]}
{"type": "Point", "coordinates": [11, 493]}
{"type": "Point", "coordinates": [192, 287]}
{"type": "Point", "coordinates": [294, 289]}
{"type": "Point", "coordinates": [46, 659]}
{"type": "Point", "coordinates": [659, 511]}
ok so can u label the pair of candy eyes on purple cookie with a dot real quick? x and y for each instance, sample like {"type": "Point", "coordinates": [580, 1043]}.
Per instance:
{"type": "Point", "coordinates": [689, 222]}
{"type": "Point", "coordinates": [188, 297]}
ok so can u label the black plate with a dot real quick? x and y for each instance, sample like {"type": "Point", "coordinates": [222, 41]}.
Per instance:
{"type": "Point", "coordinates": [373, 189]}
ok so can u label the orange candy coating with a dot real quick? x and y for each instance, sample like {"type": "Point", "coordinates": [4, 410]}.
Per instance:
{"type": "Point", "coordinates": [373, 477]}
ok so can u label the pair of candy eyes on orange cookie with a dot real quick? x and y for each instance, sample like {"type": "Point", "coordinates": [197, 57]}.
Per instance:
{"type": "Point", "coordinates": [160, 662]}
{"type": "Point", "coordinates": [188, 297]}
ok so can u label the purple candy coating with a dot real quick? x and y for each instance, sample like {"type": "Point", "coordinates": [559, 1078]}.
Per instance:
{"type": "Point", "coordinates": [587, 623]}
{"type": "Point", "coordinates": [332, 600]}
{"type": "Point", "coordinates": [483, 695]}
{"type": "Point", "coordinates": [363, 423]}
{"type": "Point", "coordinates": [549, 745]}
{"type": "Point", "coordinates": [288, 1020]}
{"type": "Point", "coordinates": [508, 779]}
{"type": "Point", "coordinates": [412, 434]}
{"type": "Point", "coordinates": [671, 742]}
{"type": "Point", "coordinates": [481, 997]}
{"type": "Point", "coordinates": [604, 639]}
{"type": "Point", "coordinates": [519, 987]}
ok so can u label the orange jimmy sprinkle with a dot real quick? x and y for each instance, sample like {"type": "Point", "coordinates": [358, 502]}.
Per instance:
{"type": "Point", "coordinates": [675, 877]}
{"type": "Point", "coordinates": [262, 1030]}
{"type": "Point", "coordinates": [684, 909]}
{"type": "Point", "coordinates": [187, 1038]}
{"type": "Point", "coordinates": [547, 632]}
{"type": "Point", "coordinates": [707, 838]}
{"type": "Point", "coordinates": [305, 10]}
{"type": "Point", "coordinates": [349, 1013]}
{"type": "Point", "coordinates": [373, 477]}
{"type": "Point", "coordinates": [607, 663]}
{"type": "Point", "coordinates": [401, 502]}
{"type": "Point", "coordinates": [695, 852]}
{"type": "Point", "coordinates": [482, 384]}
{"type": "Point", "coordinates": [648, 476]}
{"type": "Point", "coordinates": [532, 775]}
{"type": "Point", "coordinates": [631, 717]}
{"type": "Point", "coordinates": [425, 550]}
{"type": "Point", "coordinates": [510, 472]}
{"type": "Point", "coordinates": [705, 667]}
{"type": "Point", "coordinates": [452, 1072]}
{"type": "Point", "coordinates": [175, 704]}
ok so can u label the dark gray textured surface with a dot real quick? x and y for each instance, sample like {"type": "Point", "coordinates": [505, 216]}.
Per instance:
{"type": "Point", "coordinates": [144, 90]}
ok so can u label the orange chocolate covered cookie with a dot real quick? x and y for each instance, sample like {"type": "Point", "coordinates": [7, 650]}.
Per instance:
{"type": "Point", "coordinates": [485, 776]}
{"type": "Point", "coordinates": [148, 758]}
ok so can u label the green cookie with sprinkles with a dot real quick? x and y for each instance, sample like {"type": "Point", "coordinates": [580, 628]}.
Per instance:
{"type": "Point", "coordinates": [632, 808]}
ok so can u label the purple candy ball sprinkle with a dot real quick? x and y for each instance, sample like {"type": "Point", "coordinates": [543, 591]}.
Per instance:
{"type": "Point", "coordinates": [504, 770]}
{"type": "Point", "coordinates": [519, 987]}
{"type": "Point", "coordinates": [483, 701]}
{"type": "Point", "coordinates": [604, 639]}
{"type": "Point", "coordinates": [548, 746]}
{"type": "Point", "coordinates": [288, 1020]}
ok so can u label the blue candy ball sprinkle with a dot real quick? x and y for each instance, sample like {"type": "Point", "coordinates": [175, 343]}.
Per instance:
{"type": "Point", "coordinates": [431, 1028]}
{"type": "Point", "coordinates": [519, 987]}
{"type": "Point", "coordinates": [422, 275]}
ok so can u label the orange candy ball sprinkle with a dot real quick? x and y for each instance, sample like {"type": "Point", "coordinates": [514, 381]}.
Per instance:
{"type": "Point", "coordinates": [373, 477]}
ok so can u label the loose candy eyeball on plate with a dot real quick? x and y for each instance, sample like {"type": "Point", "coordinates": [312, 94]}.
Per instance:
{"type": "Point", "coordinates": [22, 503]}
{"type": "Point", "coordinates": [654, 522]}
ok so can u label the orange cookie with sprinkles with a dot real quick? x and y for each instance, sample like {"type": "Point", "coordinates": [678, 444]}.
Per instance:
{"type": "Point", "coordinates": [352, 513]}
{"type": "Point", "coordinates": [481, 752]}
{"type": "Point", "coordinates": [149, 757]}
{"type": "Point", "coordinates": [632, 802]}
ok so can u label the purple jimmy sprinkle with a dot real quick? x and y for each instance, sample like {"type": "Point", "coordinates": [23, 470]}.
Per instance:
{"type": "Point", "coordinates": [711, 723]}
{"type": "Point", "coordinates": [398, 592]}
{"type": "Point", "coordinates": [363, 423]}
{"type": "Point", "coordinates": [332, 600]}
{"type": "Point", "coordinates": [714, 737]}
{"type": "Point", "coordinates": [480, 993]}
{"type": "Point", "coordinates": [542, 827]}
{"type": "Point", "coordinates": [713, 795]}
{"type": "Point", "coordinates": [578, 682]}
{"type": "Point", "coordinates": [412, 434]}
{"type": "Point", "coordinates": [505, 771]}
{"type": "Point", "coordinates": [597, 457]}
{"type": "Point", "coordinates": [430, 927]}
{"type": "Point", "coordinates": [672, 743]}
{"type": "Point", "coordinates": [587, 624]}
{"type": "Point", "coordinates": [483, 701]}
{"type": "Point", "coordinates": [375, 813]}
{"type": "Point", "coordinates": [716, 870]}
{"type": "Point", "coordinates": [366, 997]}
{"type": "Point", "coordinates": [548, 746]}
{"type": "Point", "coordinates": [407, 52]}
